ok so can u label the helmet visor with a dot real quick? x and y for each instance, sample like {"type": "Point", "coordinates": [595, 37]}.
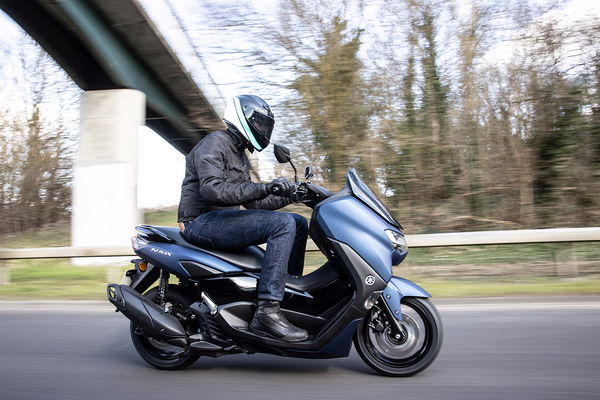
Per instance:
{"type": "Point", "coordinates": [262, 127]}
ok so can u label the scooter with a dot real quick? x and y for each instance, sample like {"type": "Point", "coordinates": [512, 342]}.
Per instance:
{"type": "Point", "coordinates": [353, 297]}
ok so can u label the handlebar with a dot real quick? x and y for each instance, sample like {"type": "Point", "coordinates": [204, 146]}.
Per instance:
{"type": "Point", "coordinates": [310, 194]}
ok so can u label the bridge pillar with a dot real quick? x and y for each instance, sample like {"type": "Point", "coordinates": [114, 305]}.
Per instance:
{"type": "Point", "coordinates": [105, 208]}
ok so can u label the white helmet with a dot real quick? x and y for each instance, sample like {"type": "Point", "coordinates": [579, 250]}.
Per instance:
{"type": "Point", "coordinates": [251, 117]}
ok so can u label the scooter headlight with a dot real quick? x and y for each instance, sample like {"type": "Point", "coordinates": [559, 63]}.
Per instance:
{"type": "Point", "coordinates": [397, 239]}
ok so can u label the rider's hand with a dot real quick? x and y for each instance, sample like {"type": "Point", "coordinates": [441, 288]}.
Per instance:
{"type": "Point", "coordinates": [181, 226]}
{"type": "Point", "coordinates": [280, 187]}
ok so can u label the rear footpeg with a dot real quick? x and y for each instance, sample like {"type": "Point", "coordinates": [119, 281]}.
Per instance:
{"type": "Point", "coordinates": [149, 316]}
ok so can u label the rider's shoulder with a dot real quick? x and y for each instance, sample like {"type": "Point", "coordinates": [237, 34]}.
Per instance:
{"type": "Point", "coordinates": [212, 141]}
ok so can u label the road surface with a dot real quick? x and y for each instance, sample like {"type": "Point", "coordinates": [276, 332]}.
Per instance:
{"type": "Point", "coordinates": [493, 349]}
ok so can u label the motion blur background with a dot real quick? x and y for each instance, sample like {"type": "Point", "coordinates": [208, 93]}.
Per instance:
{"type": "Point", "coordinates": [462, 115]}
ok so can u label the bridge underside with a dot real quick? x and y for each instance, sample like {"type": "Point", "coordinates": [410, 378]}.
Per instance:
{"type": "Point", "coordinates": [112, 44]}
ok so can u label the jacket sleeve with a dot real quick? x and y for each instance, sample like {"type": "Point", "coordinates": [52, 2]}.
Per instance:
{"type": "Point", "coordinates": [209, 163]}
{"type": "Point", "coordinates": [268, 203]}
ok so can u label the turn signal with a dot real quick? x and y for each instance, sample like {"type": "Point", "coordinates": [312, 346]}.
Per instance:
{"type": "Point", "coordinates": [143, 266]}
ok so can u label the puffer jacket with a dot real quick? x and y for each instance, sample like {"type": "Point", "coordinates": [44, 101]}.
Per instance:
{"type": "Point", "coordinates": [217, 177]}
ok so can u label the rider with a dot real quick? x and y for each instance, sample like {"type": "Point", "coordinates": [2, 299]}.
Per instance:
{"type": "Point", "coordinates": [217, 182]}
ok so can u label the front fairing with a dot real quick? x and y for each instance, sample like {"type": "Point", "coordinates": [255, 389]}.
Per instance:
{"type": "Point", "coordinates": [355, 216]}
{"type": "Point", "coordinates": [348, 220]}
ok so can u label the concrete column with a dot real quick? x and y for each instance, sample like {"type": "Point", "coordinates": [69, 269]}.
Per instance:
{"type": "Point", "coordinates": [105, 208]}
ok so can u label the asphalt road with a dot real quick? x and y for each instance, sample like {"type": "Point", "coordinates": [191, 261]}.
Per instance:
{"type": "Point", "coordinates": [493, 349]}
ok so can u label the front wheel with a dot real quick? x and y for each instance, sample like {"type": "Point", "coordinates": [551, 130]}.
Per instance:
{"type": "Point", "coordinates": [403, 352]}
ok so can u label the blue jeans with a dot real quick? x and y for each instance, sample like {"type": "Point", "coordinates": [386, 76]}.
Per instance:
{"type": "Point", "coordinates": [231, 230]}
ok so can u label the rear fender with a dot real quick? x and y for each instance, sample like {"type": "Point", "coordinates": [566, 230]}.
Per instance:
{"type": "Point", "coordinates": [396, 289]}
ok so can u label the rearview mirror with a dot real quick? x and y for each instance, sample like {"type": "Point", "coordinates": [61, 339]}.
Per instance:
{"type": "Point", "coordinates": [282, 153]}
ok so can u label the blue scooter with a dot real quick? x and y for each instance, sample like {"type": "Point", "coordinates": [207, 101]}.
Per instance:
{"type": "Point", "coordinates": [352, 297]}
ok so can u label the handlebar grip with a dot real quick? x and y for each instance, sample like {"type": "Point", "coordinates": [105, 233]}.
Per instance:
{"type": "Point", "coordinates": [276, 189]}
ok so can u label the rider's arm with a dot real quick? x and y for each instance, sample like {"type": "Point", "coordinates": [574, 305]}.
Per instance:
{"type": "Point", "coordinates": [268, 203]}
{"type": "Point", "coordinates": [209, 163]}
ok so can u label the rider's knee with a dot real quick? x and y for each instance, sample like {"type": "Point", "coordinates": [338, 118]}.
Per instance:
{"type": "Point", "coordinates": [301, 224]}
{"type": "Point", "coordinates": [285, 223]}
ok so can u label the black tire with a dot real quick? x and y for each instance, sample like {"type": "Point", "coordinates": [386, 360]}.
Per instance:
{"type": "Point", "coordinates": [401, 354]}
{"type": "Point", "coordinates": [157, 354]}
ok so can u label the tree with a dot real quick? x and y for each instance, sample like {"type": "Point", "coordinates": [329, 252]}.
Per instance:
{"type": "Point", "coordinates": [330, 95]}
{"type": "Point", "coordinates": [35, 142]}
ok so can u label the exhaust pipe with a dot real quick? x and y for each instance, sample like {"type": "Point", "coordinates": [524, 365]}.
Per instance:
{"type": "Point", "coordinates": [149, 316]}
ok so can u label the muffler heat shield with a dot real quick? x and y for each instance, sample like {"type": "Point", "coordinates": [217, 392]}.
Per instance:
{"type": "Point", "coordinates": [149, 316]}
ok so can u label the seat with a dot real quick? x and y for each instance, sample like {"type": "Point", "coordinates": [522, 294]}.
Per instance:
{"type": "Point", "coordinates": [249, 258]}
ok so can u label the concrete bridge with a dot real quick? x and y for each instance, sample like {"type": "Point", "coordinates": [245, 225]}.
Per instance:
{"type": "Point", "coordinates": [131, 78]}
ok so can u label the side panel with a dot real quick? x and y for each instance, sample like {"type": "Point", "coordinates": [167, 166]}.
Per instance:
{"type": "Point", "coordinates": [169, 255]}
{"type": "Point", "coordinates": [347, 220]}
{"type": "Point", "coordinates": [361, 272]}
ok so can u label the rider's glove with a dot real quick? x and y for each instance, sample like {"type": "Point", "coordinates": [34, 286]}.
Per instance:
{"type": "Point", "coordinates": [280, 187]}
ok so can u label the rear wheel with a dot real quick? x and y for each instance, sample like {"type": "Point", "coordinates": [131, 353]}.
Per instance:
{"type": "Point", "coordinates": [403, 352]}
{"type": "Point", "coordinates": [163, 355]}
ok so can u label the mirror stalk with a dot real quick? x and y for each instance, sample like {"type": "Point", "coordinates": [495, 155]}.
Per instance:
{"type": "Point", "coordinates": [295, 172]}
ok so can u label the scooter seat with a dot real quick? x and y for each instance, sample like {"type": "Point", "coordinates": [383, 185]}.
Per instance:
{"type": "Point", "coordinates": [248, 258]}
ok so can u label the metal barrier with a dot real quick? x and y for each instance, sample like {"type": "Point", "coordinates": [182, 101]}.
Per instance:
{"type": "Point", "coordinates": [564, 235]}
{"type": "Point", "coordinates": [414, 241]}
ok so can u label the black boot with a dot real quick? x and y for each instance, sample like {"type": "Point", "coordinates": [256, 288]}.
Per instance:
{"type": "Point", "coordinates": [269, 321]}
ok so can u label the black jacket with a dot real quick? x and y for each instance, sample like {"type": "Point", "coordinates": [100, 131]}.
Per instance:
{"type": "Point", "coordinates": [217, 177]}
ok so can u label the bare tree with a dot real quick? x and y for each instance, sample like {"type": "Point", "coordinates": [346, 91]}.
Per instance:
{"type": "Point", "coordinates": [35, 141]}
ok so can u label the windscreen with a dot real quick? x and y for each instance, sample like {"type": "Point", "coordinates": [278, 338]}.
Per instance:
{"type": "Point", "coordinates": [364, 194]}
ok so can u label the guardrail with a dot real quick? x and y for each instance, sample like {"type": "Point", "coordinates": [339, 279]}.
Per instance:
{"type": "Point", "coordinates": [414, 241]}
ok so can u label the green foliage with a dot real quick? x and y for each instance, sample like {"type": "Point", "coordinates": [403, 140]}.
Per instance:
{"type": "Point", "coordinates": [330, 93]}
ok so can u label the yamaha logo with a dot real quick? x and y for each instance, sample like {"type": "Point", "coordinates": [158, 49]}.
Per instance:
{"type": "Point", "coordinates": [370, 280]}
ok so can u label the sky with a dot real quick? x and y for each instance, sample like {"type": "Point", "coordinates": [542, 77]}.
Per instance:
{"type": "Point", "coordinates": [230, 79]}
